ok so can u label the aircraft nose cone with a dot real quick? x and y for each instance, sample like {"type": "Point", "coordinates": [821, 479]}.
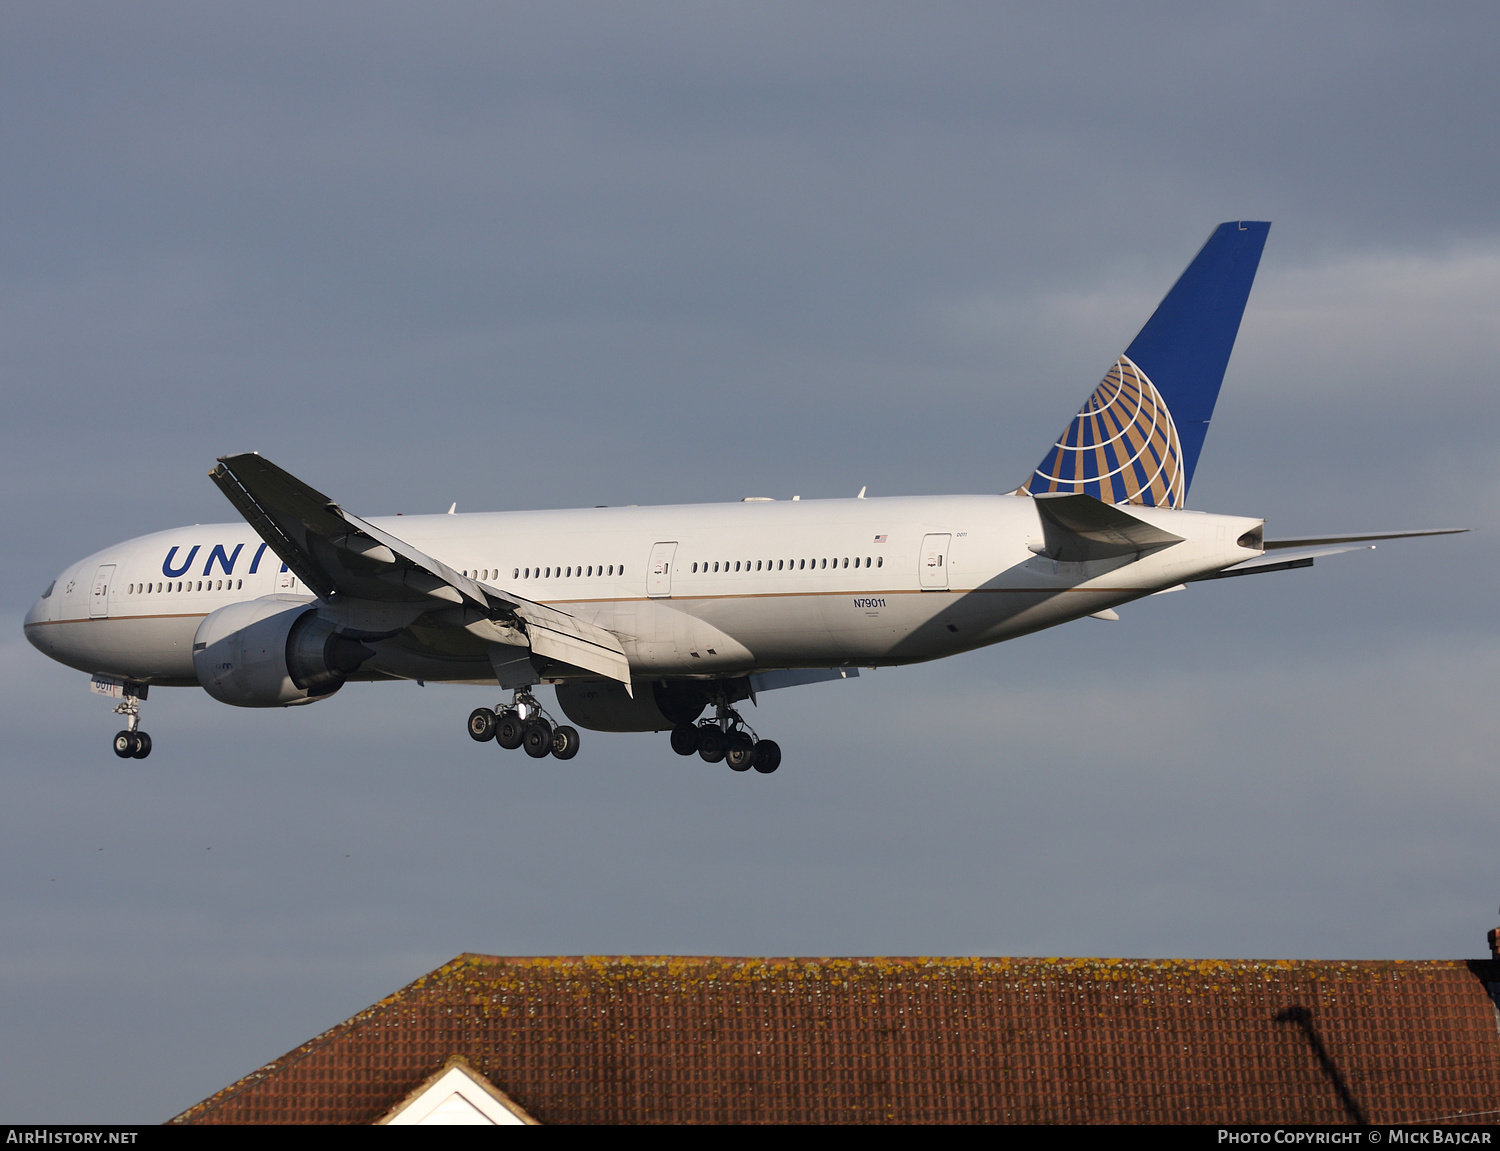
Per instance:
{"type": "Point", "coordinates": [37, 616]}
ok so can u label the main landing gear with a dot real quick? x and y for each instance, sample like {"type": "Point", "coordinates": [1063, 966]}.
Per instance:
{"type": "Point", "coordinates": [132, 743]}
{"type": "Point", "coordinates": [727, 738]}
{"type": "Point", "coordinates": [523, 724]}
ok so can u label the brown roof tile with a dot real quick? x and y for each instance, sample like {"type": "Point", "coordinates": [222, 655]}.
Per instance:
{"type": "Point", "coordinates": [680, 1040]}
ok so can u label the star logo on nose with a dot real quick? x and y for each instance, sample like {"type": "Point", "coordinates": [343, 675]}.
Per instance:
{"type": "Point", "coordinates": [69, 590]}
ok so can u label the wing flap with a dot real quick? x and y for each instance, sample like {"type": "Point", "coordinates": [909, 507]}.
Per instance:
{"type": "Point", "coordinates": [557, 635]}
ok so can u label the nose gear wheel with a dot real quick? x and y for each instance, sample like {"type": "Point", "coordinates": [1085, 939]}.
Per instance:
{"type": "Point", "coordinates": [132, 743]}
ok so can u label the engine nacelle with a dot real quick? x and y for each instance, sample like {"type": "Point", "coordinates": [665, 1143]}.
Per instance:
{"type": "Point", "coordinates": [602, 705]}
{"type": "Point", "coordinates": [271, 653]}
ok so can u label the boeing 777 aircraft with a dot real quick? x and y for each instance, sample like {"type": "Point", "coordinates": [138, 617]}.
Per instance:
{"type": "Point", "coordinates": [643, 617]}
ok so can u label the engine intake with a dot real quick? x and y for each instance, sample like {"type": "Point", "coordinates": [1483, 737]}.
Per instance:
{"type": "Point", "coordinates": [268, 653]}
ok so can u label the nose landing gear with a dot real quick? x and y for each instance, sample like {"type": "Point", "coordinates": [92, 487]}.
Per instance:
{"type": "Point", "coordinates": [524, 724]}
{"type": "Point", "coordinates": [728, 738]}
{"type": "Point", "coordinates": [132, 743]}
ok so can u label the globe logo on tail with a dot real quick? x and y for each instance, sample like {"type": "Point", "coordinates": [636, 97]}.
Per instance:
{"type": "Point", "coordinates": [1121, 448]}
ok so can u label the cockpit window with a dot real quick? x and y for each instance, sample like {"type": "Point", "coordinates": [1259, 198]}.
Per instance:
{"type": "Point", "coordinates": [48, 592]}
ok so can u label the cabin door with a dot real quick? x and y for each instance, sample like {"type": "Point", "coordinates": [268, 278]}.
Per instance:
{"type": "Point", "coordinates": [659, 571]}
{"type": "Point", "coordinates": [99, 601]}
{"type": "Point", "coordinates": [932, 571]}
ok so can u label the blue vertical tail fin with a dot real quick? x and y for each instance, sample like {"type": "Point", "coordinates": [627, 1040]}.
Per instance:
{"type": "Point", "coordinates": [1138, 437]}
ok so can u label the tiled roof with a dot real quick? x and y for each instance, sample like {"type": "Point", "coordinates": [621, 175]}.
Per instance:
{"type": "Point", "coordinates": [682, 1040]}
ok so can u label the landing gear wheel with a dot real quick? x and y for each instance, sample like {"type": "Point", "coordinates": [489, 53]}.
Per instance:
{"type": "Point", "coordinates": [142, 745]}
{"type": "Point", "coordinates": [564, 742]}
{"type": "Point", "coordinates": [538, 739]}
{"type": "Point", "coordinates": [685, 739]}
{"type": "Point", "coordinates": [125, 744]}
{"type": "Point", "coordinates": [740, 751]}
{"type": "Point", "coordinates": [767, 756]}
{"type": "Point", "coordinates": [711, 747]}
{"type": "Point", "coordinates": [481, 725]}
{"type": "Point", "coordinates": [509, 730]}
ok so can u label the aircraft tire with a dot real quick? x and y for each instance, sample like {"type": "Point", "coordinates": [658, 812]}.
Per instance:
{"type": "Point", "coordinates": [125, 744]}
{"type": "Point", "coordinates": [685, 739]}
{"type": "Point", "coordinates": [740, 753]}
{"type": "Point", "coordinates": [564, 742]}
{"type": "Point", "coordinates": [710, 744]}
{"type": "Point", "coordinates": [142, 745]}
{"type": "Point", "coordinates": [538, 739]}
{"type": "Point", "coordinates": [509, 730]}
{"type": "Point", "coordinates": [481, 725]}
{"type": "Point", "coordinates": [767, 756]}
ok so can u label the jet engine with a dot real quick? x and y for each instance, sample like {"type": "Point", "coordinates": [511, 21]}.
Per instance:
{"type": "Point", "coordinates": [602, 705]}
{"type": "Point", "coordinates": [269, 653]}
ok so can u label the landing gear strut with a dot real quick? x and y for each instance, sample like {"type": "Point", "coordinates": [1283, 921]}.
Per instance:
{"type": "Point", "coordinates": [132, 743]}
{"type": "Point", "coordinates": [728, 738]}
{"type": "Point", "coordinates": [523, 723]}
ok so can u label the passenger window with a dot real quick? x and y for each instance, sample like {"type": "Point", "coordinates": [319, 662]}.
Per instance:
{"type": "Point", "coordinates": [880, 561]}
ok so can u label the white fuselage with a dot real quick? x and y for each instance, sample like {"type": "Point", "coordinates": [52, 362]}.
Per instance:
{"type": "Point", "coordinates": [748, 586]}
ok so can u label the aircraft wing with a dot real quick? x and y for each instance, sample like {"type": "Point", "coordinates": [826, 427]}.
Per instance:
{"type": "Point", "coordinates": [336, 553]}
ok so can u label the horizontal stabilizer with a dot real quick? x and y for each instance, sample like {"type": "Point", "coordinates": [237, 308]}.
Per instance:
{"type": "Point", "coordinates": [1283, 561]}
{"type": "Point", "coordinates": [1079, 527]}
{"type": "Point", "coordinates": [1314, 541]}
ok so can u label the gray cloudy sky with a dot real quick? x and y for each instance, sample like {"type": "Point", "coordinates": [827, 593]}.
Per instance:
{"type": "Point", "coordinates": [532, 256]}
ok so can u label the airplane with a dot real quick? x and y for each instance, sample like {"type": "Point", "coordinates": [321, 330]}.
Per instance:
{"type": "Point", "coordinates": [643, 618]}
